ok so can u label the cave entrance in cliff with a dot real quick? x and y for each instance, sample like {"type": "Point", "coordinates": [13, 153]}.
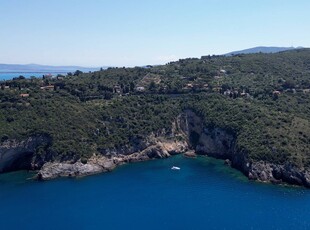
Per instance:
{"type": "Point", "coordinates": [21, 163]}
{"type": "Point", "coordinates": [194, 139]}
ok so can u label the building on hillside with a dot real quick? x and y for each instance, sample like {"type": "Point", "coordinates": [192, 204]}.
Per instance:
{"type": "Point", "coordinates": [48, 87]}
{"type": "Point", "coordinates": [206, 86]}
{"type": "Point", "coordinates": [306, 90]}
{"type": "Point", "coordinates": [189, 86]}
{"type": "Point", "coordinates": [243, 94]}
{"type": "Point", "coordinates": [140, 89]}
{"type": "Point", "coordinates": [276, 92]}
{"type": "Point", "coordinates": [228, 92]}
{"type": "Point", "coordinates": [24, 95]}
{"type": "Point", "coordinates": [222, 71]}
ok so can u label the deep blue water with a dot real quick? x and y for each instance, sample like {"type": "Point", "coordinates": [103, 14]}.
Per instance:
{"type": "Point", "coordinates": [204, 194]}
{"type": "Point", "coordinates": [8, 76]}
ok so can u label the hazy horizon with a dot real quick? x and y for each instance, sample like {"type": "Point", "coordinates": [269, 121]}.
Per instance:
{"type": "Point", "coordinates": [39, 64]}
{"type": "Point", "coordinates": [130, 33]}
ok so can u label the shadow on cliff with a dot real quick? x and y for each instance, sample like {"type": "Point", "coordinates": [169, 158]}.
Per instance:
{"type": "Point", "coordinates": [212, 141]}
{"type": "Point", "coordinates": [221, 143]}
{"type": "Point", "coordinates": [19, 154]}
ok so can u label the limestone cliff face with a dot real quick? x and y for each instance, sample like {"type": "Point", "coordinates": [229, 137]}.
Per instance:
{"type": "Point", "coordinates": [160, 148]}
{"type": "Point", "coordinates": [188, 133]}
{"type": "Point", "coordinates": [219, 143]}
{"type": "Point", "coordinates": [15, 155]}
{"type": "Point", "coordinates": [215, 142]}
{"type": "Point", "coordinates": [139, 144]}
{"type": "Point", "coordinates": [264, 171]}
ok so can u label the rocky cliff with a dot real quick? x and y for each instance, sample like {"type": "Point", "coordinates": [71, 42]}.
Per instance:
{"type": "Point", "coordinates": [268, 172]}
{"type": "Point", "coordinates": [220, 143]}
{"type": "Point", "coordinates": [158, 148]}
{"type": "Point", "coordinates": [188, 133]}
{"type": "Point", "coordinates": [16, 155]}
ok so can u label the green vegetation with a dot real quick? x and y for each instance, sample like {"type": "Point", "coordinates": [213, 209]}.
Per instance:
{"type": "Point", "coordinates": [262, 99]}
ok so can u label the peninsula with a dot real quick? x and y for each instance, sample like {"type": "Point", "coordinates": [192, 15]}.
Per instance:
{"type": "Point", "coordinates": [253, 110]}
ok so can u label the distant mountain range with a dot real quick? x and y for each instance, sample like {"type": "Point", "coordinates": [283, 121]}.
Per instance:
{"type": "Point", "coordinates": [14, 68]}
{"type": "Point", "coordinates": [262, 49]}
{"type": "Point", "coordinates": [35, 68]}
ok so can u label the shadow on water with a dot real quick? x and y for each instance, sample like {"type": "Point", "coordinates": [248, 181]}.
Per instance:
{"type": "Point", "coordinates": [17, 177]}
{"type": "Point", "coordinates": [219, 167]}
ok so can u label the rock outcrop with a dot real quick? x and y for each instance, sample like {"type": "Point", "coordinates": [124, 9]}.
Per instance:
{"type": "Point", "coordinates": [103, 163]}
{"type": "Point", "coordinates": [190, 154]}
{"type": "Point", "coordinates": [214, 142]}
{"type": "Point", "coordinates": [187, 133]}
{"type": "Point", "coordinates": [219, 143]}
{"type": "Point", "coordinates": [267, 172]}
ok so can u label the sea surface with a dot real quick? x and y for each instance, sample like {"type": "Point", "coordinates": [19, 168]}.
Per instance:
{"type": "Point", "coordinates": [204, 194]}
{"type": "Point", "coordinates": [8, 76]}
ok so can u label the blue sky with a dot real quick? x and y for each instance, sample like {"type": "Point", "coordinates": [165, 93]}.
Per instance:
{"type": "Point", "coordinates": [132, 32]}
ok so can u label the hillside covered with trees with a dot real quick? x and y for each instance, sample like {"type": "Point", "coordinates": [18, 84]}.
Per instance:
{"type": "Point", "coordinates": [263, 100]}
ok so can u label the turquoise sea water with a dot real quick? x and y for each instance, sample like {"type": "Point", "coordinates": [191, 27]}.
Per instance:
{"type": "Point", "coordinates": [204, 194]}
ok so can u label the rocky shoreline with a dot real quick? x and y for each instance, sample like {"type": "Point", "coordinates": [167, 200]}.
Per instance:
{"type": "Point", "coordinates": [188, 136]}
{"type": "Point", "coordinates": [279, 174]}
{"type": "Point", "coordinates": [219, 143]}
{"type": "Point", "coordinates": [258, 171]}
{"type": "Point", "coordinates": [98, 163]}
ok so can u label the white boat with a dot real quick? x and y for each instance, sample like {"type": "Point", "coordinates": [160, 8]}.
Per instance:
{"type": "Point", "coordinates": [175, 168]}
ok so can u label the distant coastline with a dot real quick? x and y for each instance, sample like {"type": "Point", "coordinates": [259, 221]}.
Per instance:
{"type": "Point", "coordinates": [54, 71]}
{"type": "Point", "coordinates": [32, 68]}
{"type": "Point", "coordinates": [10, 75]}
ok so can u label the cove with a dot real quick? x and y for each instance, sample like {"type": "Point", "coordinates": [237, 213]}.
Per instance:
{"type": "Point", "coordinates": [204, 194]}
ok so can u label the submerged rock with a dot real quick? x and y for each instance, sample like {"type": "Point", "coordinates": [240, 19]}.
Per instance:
{"type": "Point", "coordinates": [227, 162]}
{"type": "Point", "coordinates": [190, 154]}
